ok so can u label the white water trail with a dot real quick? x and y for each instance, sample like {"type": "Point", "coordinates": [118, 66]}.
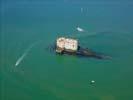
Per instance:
{"type": "Point", "coordinates": [83, 33]}
{"type": "Point", "coordinates": [79, 35]}
{"type": "Point", "coordinates": [21, 58]}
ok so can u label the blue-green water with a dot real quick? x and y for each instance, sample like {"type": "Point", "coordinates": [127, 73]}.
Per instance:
{"type": "Point", "coordinates": [42, 75]}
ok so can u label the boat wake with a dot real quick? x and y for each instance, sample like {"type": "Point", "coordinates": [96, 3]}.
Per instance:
{"type": "Point", "coordinates": [21, 58]}
{"type": "Point", "coordinates": [79, 35]}
{"type": "Point", "coordinates": [83, 33]}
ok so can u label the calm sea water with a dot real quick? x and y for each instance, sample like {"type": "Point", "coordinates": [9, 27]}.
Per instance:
{"type": "Point", "coordinates": [28, 28]}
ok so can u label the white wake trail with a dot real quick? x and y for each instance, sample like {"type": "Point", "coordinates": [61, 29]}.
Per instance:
{"type": "Point", "coordinates": [79, 35]}
{"type": "Point", "coordinates": [84, 33]}
{"type": "Point", "coordinates": [21, 58]}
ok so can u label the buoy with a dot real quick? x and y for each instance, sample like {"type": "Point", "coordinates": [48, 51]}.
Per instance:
{"type": "Point", "coordinates": [92, 82]}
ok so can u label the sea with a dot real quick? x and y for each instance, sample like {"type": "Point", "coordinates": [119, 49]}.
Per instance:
{"type": "Point", "coordinates": [31, 70]}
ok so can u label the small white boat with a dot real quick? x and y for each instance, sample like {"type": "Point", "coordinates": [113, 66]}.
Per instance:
{"type": "Point", "coordinates": [80, 29]}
